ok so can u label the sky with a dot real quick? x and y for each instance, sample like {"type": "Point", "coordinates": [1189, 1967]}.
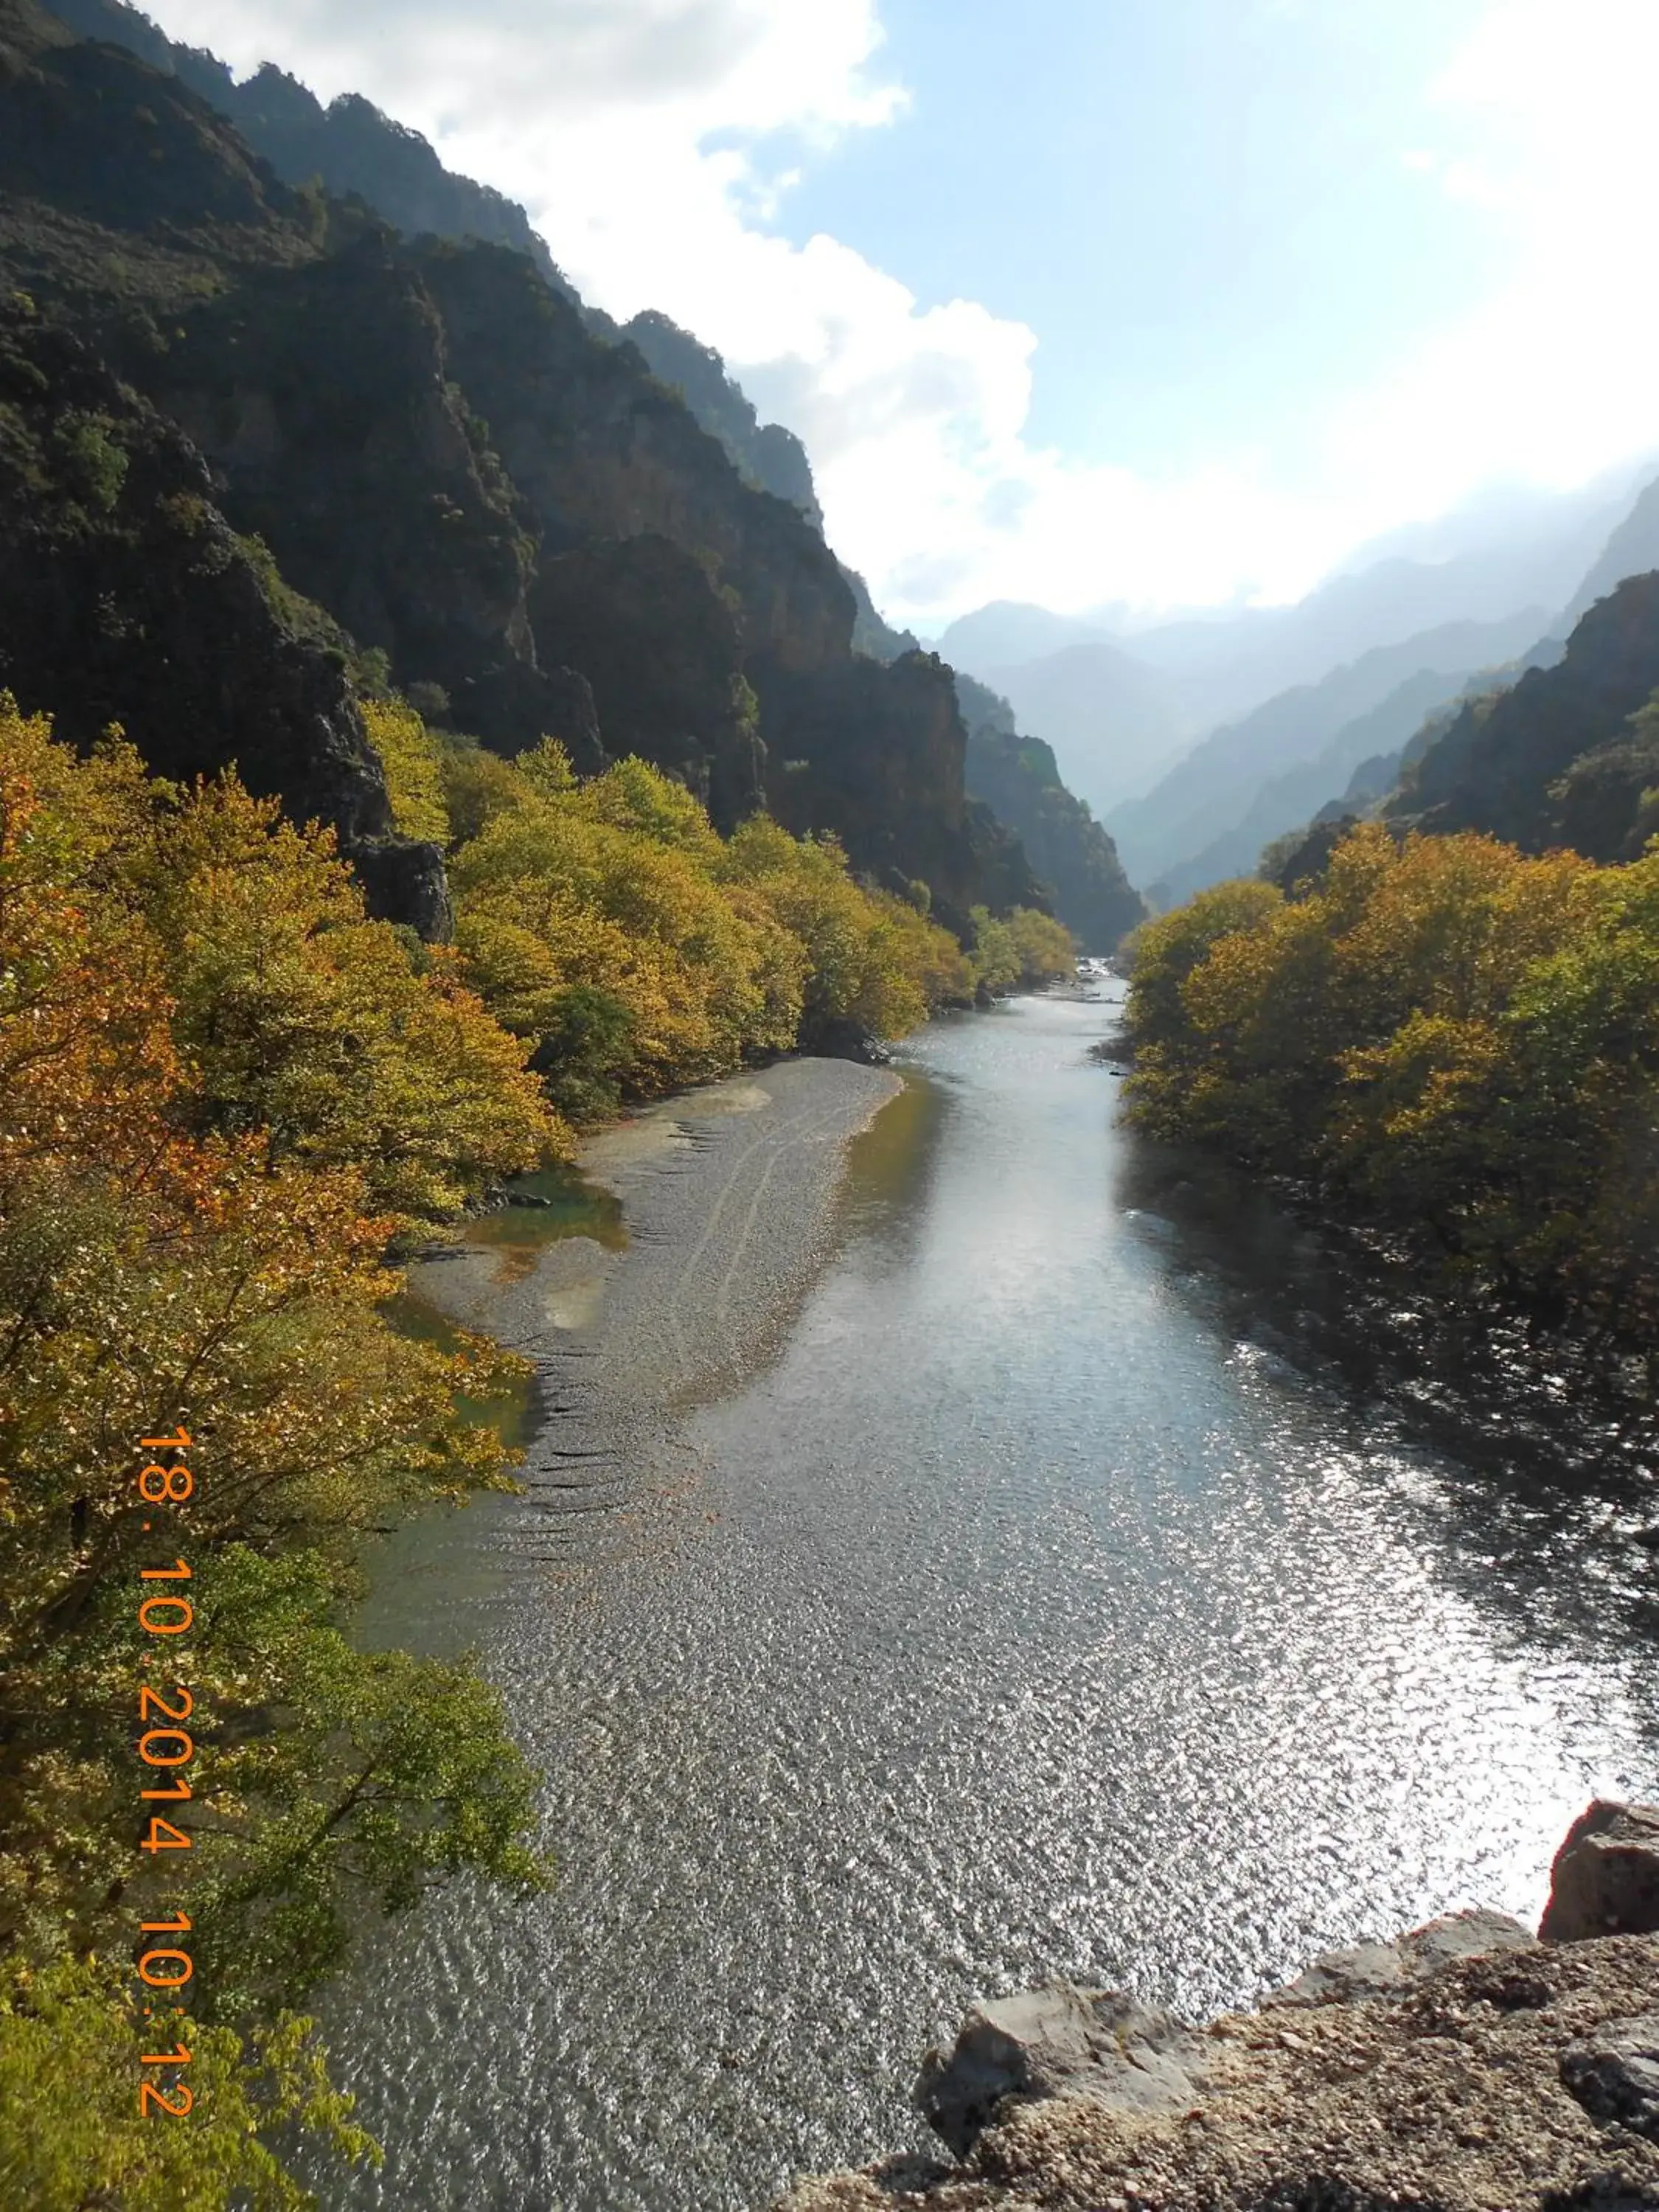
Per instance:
{"type": "Point", "coordinates": [1157, 303]}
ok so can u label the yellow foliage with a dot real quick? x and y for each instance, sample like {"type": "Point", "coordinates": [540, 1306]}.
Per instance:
{"type": "Point", "coordinates": [1457, 1039]}
{"type": "Point", "coordinates": [412, 759]}
{"type": "Point", "coordinates": [477, 785]}
{"type": "Point", "coordinates": [74, 2136]}
{"type": "Point", "coordinates": [607, 923]}
{"type": "Point", "coordinates": [195, 1021]}
{"type": "Point", "coordinates": [1045, 946]}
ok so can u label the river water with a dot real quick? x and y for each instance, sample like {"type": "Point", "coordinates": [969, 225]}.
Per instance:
{"type": "Point", "coordinates": [1053, 1601]}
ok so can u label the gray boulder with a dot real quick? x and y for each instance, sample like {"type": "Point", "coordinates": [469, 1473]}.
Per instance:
{"type": "Point", "coordinates": [1392, 1970]}
{"type": "Point", "coordinates": [1605, 1880]}
{"type": "Point", "coordinates": [1060, 2041]}
{"type": "Point", "coordinates": [1615, 2072]}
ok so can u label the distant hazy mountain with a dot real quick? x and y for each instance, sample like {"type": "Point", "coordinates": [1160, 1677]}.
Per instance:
{"type": "Point", "coordinates": [1500, 553]}
{"type": "Point", "coordinates": [1220, 670]}
{"type": "Point", "coordinates": [1287, 801]}
{"type": "Point", "coordinates": [1209, 792]}
{"type": "Point", "coordinates": [1108, 719]}
{"type": "Point", "coordinates": [1009, 631]}
{"type": "Point", "coordinates": [1077, 862]}
{"type": "Point", "coordinates": [1351, 775]}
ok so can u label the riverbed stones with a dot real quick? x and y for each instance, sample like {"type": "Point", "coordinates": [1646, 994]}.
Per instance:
{"type": "Point", "coordinates": [1605, 1880]}
{"type": "Point", "coordinates": [1465, 2067]}
{"type": "Point", "coordinates": [1060, 2041]}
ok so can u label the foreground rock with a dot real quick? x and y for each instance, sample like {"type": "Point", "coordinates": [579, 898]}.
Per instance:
{"type": "Point", "coordinates": [1465, 2067]}
{"type": "Point", "coordinates": [1605, 1880]}
{"type": "Point", "coordinates": [1059, 2042]}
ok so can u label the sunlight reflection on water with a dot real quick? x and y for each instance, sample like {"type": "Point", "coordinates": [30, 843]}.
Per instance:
{"type": "Point", "coordinates": [1048, 1605]}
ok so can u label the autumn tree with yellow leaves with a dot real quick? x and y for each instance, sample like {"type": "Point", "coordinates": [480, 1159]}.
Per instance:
{"type": "Point", "coordinates": [228, 1098]}
{"type": "Point", "coordinates": [1444, 1038]}
{"type": "Point", "coordinates": [223, 1093]}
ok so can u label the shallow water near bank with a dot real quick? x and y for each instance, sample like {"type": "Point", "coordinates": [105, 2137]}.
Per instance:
{"type": "Point", "coordinates": [545, 1209]}
{"type": "Point", "coordinates": [1051, 1601]}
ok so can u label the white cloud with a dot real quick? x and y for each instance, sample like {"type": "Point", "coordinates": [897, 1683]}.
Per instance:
{"type": "Point", "coordinates": [537, 67]}
{"type": "Point", "coordinates": [1549, 376]}
{"type": "Point", "coordinates": [635, 130]}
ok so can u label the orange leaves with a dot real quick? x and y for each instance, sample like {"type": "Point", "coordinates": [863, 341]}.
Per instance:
{"type": "Point", "coordinates": [221, 1088]}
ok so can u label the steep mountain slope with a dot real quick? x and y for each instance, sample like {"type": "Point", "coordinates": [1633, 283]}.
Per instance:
{"type": "Point", "coordinates": [434, 448]}
{"type": "Point", "coordinates": [1203, 797]}
{"type": "Point", "coordinates": [1555, 758]}
{"type": "Point", "coordinates": [1109, 720]}
{"type": "Point", "coordinates": [1072, 854]}
{"type": "Point", "coordinates": [350, 146]}
{"type": "Point", "coordinates": [766, 454]}
{"type": "Point", "coordinates": [1297, 796]}
{"type": "Point", "coordinates": [353, 148]}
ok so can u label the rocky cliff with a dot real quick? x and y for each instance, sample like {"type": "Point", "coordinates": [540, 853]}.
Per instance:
{"type": "Point", "coordinates": [423, 444]}
{"type": "Point", "coordinates": [1466, 2066]}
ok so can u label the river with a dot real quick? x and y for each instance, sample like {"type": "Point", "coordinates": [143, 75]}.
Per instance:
{"type": "Point", "coordinates": [1050, 1600]}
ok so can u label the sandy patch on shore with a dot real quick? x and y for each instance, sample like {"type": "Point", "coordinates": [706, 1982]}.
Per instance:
{"type": "Point", "coordinates": [729, 1201]}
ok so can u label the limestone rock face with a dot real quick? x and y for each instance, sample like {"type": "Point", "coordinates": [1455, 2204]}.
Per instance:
{"type": "Point", "coordinates": [649, 629]}
{"type": "Point", "coordinates": [323, 400]}
{"type": "Point", "coordinates": [405, 881]}
{"type": "Point", "coordinates": [877, 754]}
{"type": "Point", "coordinates": [1605, 1880]}
{"type": "Point", "coordinates": [132, 602]}
{"type": "Point", "coordinates": [518, 705]}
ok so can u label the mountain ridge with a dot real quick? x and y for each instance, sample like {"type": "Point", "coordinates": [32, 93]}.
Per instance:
{"type": "Point", "coordinates": [1203, 796]}
{"type": "Point", "coordinates": [429, 444]}
{"type": "Point", "coordinates": [393, 176]}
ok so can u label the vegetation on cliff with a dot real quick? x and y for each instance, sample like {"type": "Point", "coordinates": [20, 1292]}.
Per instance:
{"type": "Point", "coordinates": [1568, 755]}
{"type": "Point", "coordinates": [1449, 1040]}
{"type": "Point", "coordinates": [607, 924]}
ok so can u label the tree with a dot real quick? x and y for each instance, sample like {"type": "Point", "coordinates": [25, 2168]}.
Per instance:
{"type": "Point", "coordinates": [169, 1259]}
